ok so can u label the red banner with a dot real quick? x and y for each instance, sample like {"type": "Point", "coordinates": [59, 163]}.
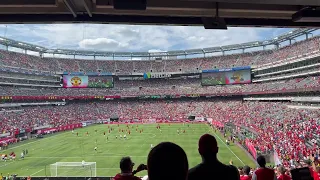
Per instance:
{"type": "Point", "coordinates": [8, 140]}
{"type": "Point", "coordinates": [251, 148]}
{"type": "Point", "coordinates": [59, 97]}
{"type": "Point", "coordinates": [217, 124]}
{"type": "Point", "coordinates": [61, 128]}
{"type": "Point", "coordinates": [157, 121]}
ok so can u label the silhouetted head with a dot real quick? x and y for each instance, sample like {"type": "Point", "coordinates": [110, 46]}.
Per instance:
{"type": "Point", "coordinates": [246, 170]}
{"type": "Point", "coordinates": [167, 161]}
{"type": "Point", "coordinates": [126, 165]}
{"type": "Point", "coordinates": [281, 169]}
{"type": "Point", "coordinates": [261, 161]}
{"type": "Point", "coordinates": [208, 146]}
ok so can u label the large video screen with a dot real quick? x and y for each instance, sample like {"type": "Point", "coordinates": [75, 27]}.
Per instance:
{"type": "Point", "coordinates": [222, 77]}
{"type": "Point", "coordinates": [87, 81]}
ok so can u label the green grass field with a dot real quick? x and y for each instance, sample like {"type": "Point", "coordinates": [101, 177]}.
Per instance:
{"type": "Point", "coordinates": [67, 147]}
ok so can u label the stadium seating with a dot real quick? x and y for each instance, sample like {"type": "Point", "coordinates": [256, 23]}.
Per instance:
{"type": "Point", "coordinates": [258, 58]}
{"type": "Point", "coordinates": [293, 133]}
{"type": "Point", "coordinates": [291, 130]}
{"type": "Point", "coordinates": [163, 86]}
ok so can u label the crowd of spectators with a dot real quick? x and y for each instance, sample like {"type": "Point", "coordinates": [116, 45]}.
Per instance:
{"type": "Point", "coordinates": [259, 58]}
{"type": "Point", "coordinates": [293, 133]}
{"type": "Point", "coordinates": [165, 87]}
{"type": "Point", "coordinates": [169, 161]}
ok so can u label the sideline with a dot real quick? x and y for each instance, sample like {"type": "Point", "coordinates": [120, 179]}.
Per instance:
{"type": "Point", "coordinates": [225, 144]}
{"type": "Point", "coordinates": [24, 144]}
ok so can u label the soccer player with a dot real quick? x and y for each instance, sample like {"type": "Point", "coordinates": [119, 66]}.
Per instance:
{"type": "Point", "coordinates": [22, 155]}
{"type": "Point", "coordinates": [120, 136]}
{"type": "Point", "coordinates": [116, 137]}
{"type": "Point", "coordinates": [124, 136]}
{"type": "Point", "coordinates": [151, 146]}
{"type": "Point", "coordinates": [95, 148]}
{"type": "Point", "coordinates": [104, 133]}
{"type": "Point", "coordinates": [87, 133]}
{"type": "Point", "coordinates": [77, 134]}
{"type": "Point", "coordinates": [83, 163]}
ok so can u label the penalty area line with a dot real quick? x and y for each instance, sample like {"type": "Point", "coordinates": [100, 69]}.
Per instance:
{"type": "Point", "coordinates": [226, 145]}
{"type": "Point", "coordinates": [36, 172]}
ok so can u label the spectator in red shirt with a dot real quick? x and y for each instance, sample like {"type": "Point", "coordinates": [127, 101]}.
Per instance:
{"type": "Point", "coordinates": [263, 173]}
{"type": "Point", "coordinates": [167, 161]}
{"type": "Point", "coordinates": [211, 167]}
{"type": "Point", "coordinates": [126, 166]}
{"type": "Point", "coordinates": [283, 175]}
{"type": "Point", "coordinates": [246, 173]}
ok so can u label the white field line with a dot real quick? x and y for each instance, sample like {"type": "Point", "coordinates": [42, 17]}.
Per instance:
{"type": "Point", "coordinates": [37, 172]}
{"type": "Point", "coordinates": [53, 136]}
{"type": "Point", "coordinates": [6, 164]}
{"type": "Point", "coordinates": [226, 145]}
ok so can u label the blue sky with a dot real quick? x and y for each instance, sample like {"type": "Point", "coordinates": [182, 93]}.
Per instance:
{"type": "Point", "coordinates": [132, 37]}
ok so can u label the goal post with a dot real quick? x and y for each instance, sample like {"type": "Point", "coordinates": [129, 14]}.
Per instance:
{"type": "Point", "coordinates": [73, 169]}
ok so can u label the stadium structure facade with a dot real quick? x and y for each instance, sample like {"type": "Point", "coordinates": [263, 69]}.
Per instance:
{"type": "Point", "coordinates": [178, 54]}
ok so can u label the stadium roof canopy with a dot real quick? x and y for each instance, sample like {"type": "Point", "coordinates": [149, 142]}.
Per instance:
{"type": "Point", "coordinates": [274, 41]}
{"type": "Point", "coordinates": [279, 13]}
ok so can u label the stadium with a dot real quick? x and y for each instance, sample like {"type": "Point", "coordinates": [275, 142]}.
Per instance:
{"type": "Point", "coordinates": [74, 113]}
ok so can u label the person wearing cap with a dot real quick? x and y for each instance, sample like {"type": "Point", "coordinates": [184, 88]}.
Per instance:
{"type": "Point", "coordinates": [263, 173]}
{"type": "Point", "coordinates": [126, 167]}
{"type": "Point", "coordinates": [211, 167]}
{"type": "Point", "coordinates": [246, 173]}
{"type": "Point", "coordinates": [283, 175]}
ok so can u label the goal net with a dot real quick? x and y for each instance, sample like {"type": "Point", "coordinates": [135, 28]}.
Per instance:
{"type": "Point", "coordinates": [73, 169]}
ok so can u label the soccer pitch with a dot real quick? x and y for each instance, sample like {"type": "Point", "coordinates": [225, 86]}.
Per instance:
{"type": "Point", "coordinates": [68, 147]}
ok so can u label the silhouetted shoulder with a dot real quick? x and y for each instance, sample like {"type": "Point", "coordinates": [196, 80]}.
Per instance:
{"type": "Point", "coordinates": [213, 171]}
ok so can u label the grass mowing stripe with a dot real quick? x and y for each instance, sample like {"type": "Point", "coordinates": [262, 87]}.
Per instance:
{"type": "Point", "coordinates": [67, 147]}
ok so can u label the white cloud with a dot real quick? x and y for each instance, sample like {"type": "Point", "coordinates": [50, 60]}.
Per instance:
{"type": "Point", "coordinates": [102, 44]}
{"type": "Point", "coordinates": [155, 50]}
{"type": "Point", "coordinates": [131, 37]}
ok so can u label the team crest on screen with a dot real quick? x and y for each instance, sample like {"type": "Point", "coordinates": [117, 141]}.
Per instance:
{"type": "Point", "coordinates": [76, 81]}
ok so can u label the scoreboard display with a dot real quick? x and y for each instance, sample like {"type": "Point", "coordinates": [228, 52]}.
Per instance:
{"type": "Point", "coordinates": [239, 75]}
{"type": "Point", "coordinates": [73, 81]}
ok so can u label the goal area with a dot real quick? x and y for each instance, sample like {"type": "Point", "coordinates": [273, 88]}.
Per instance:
{"type": "Point", "coordinates": [73, 169]}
